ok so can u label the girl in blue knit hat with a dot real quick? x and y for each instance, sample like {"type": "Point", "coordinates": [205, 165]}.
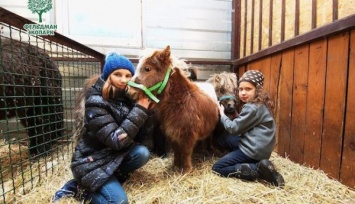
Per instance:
{"type": "Point", "coordinates": [252, 135]}
{"type": "Point", "coordinates": [106, 151]}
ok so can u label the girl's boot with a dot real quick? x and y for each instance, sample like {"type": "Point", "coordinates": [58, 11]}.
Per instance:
{"type": "Point", "coordinates": [267, 172]}
{"type": "Point", "coordinates": [245, 171]}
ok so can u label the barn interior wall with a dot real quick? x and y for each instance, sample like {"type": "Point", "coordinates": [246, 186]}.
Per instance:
{"type": "Point", "coordinates": [311, 85]}
{"type": "Point", "coordinates": [324, 15]}
{"type": "Point", "coordinates": [198, 29]}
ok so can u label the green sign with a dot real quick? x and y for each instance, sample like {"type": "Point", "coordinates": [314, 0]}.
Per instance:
{"type": "Point", "coordinates": [40, 7]}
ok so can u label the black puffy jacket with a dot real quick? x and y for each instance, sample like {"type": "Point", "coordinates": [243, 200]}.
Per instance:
{"type": "Point", "coordinates": [99, 153]}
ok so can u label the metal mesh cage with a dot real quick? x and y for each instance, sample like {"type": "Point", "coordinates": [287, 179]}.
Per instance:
{"type": "Point", "coordinates": [39, 80]}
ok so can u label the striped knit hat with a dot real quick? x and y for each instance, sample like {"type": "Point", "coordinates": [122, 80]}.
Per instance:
{"type": "Point", "coordinates": [253, 76]}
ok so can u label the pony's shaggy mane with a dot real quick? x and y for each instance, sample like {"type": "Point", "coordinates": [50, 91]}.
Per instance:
{"type": "Point", "coordinates": [224, 83]}
{"type": "Point", "coordinates": [175, 61]}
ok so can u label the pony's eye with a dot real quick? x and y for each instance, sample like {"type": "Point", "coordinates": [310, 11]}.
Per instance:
{"type": "Point", "coordinates": [147, 69]}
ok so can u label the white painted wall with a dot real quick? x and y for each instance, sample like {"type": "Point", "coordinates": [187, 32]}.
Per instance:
{"type": "Point", "coordinates": [19, 7]}
{"type": "Point", "coordinates": [198, 29]}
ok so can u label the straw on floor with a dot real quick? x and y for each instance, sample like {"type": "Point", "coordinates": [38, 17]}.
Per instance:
{"type": "Point", "coordinates": [157, 183]}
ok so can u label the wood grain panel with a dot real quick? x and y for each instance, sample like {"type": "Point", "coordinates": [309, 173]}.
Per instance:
{"type": "Point", "coordinates": [275, 68]}
{"type": "Point", "coordinates": [240, 71]}
{"type": "Point", "coordinates": [299, 102]}
{"type": "Point", "coordinates": [285, 101]}
{"type": "Point", "coordinates": [334, 109]}
{"type": "Point", "coordinates": [254, 65]}
{"type": "Point", "coordinates": [265, 69]}
{"type": "Point", "coordinates": [347, 171]}
{"type": "Point", "coordinates": [315, 102]}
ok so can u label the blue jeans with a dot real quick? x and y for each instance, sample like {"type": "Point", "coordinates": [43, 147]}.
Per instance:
{"type": "Point", "coordinates": [228, 164]}
{"type": "Point", "coordinates": [112, 191]}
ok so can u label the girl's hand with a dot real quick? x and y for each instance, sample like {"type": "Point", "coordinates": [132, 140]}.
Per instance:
{"type": "Point", "coordinates": [144, 101]}
{"type": "Point", "coordinates": [221, 109]}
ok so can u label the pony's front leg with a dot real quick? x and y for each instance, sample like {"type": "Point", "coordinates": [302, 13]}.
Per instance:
{"type": "Point", "coordinates": [177, 154]}
{"type": "Point", "coordinates": [186, 155]}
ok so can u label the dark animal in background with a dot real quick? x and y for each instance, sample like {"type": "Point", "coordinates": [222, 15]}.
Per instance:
{"type": "Point", "coordinates": [230, 105]}
{"type": "Point", "coordinates": [31, 90]}
{"type": "Point", "coordinates": [185, 112]}
{"type": "Point", "coordinates": [226, 87]}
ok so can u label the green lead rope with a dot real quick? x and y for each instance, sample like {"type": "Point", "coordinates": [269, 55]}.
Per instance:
{"type": "Point", "coordinates": [143, 88]}
{"type": "Point", "coordinates": [148, 91]}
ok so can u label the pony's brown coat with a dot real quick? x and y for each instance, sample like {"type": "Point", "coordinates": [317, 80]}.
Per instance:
{"type": "Point", "coordinates": [186, 113]}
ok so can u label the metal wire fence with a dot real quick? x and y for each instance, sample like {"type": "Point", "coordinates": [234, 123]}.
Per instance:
{"type": "Point", "coordinates": [39, 79]}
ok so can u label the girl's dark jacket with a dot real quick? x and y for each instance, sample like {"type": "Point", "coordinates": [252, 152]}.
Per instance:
{"type": "Point", "coordinates": [99, 153]}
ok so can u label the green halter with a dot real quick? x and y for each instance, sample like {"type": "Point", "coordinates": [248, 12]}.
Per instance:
{"type": "Point", "coordinates": [160, 86]}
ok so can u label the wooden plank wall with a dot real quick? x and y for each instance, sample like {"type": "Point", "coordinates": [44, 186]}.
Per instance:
{"type": "Point", "coordinates": [313, 87]}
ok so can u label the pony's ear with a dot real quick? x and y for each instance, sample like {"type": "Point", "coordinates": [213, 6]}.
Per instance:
{"type": "Point", "coordinates": [165, 54]}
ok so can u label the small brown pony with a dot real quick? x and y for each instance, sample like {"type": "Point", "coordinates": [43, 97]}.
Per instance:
{"type": "Point", "coordinates": [186, 113]}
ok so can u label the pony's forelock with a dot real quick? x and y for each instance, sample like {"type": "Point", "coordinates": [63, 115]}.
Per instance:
{"type": "Point", "coordinates": [175, 62]}
{"type": "Point", "coordinates": [148, 52]}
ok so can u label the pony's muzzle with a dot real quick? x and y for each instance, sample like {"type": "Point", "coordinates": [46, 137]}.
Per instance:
{"type": "Point", "coordinates": [229, 105]}
{"type": "Point", "coordinates": [131, 92]}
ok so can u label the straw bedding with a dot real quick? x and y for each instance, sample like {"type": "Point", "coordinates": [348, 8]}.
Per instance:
{"type": "Point", "coordinates": [157, 183]}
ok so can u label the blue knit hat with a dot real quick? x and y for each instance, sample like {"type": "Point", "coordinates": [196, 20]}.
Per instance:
{"type": "Point", "coordinates": [116, 61]}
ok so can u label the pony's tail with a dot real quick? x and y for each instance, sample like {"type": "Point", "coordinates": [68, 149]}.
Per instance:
{"type": "Point", "coordinates": [79, 109]}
